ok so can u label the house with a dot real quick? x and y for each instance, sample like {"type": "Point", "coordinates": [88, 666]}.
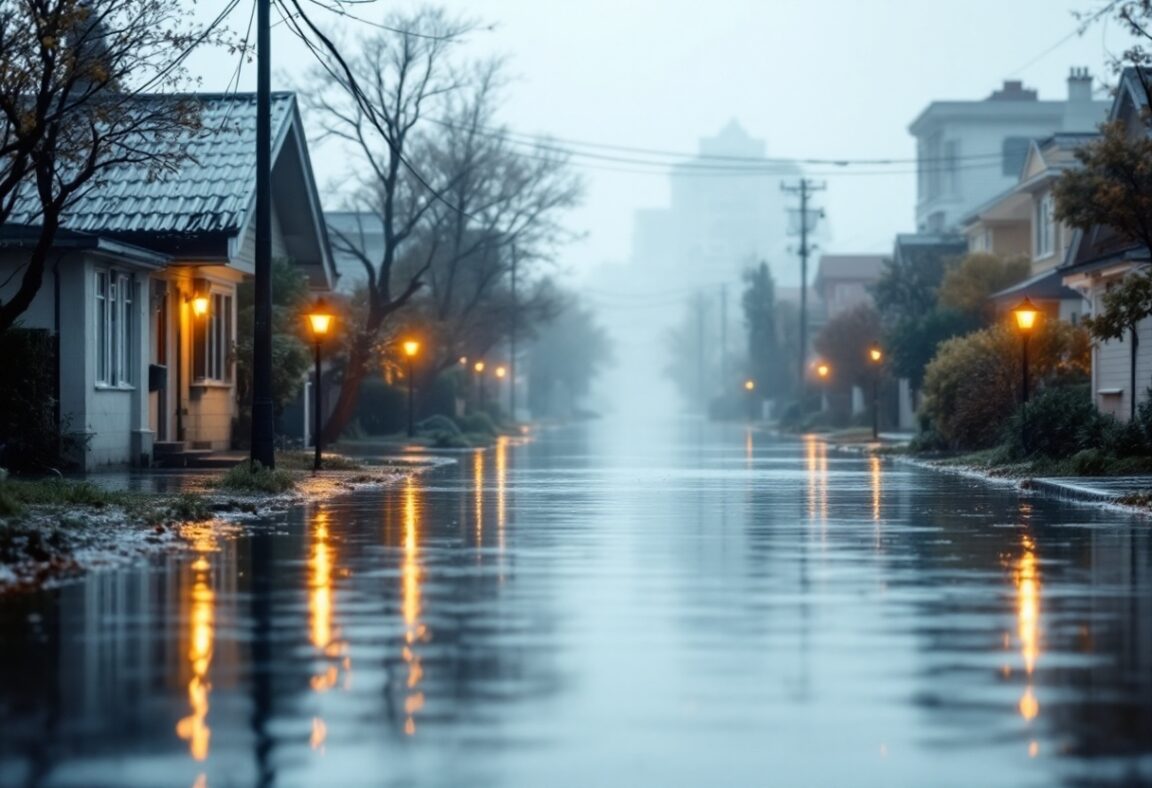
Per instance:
{"type": "Point", "coordinates": [842, 280]}
{"type": "Point", "coordinates": [141, 293]}
{"type": "Point", "coordinates": [1098, 259]}
{"type": "Point", "coordinates": [969, 151]}
{"type": "Point", "coordinates": [1021, 222]}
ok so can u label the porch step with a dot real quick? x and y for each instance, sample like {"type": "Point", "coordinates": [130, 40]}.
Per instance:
{"type": "Point", "coordinates": [162, 448]}
{"type": "Point", "coordinates": [178, 458]}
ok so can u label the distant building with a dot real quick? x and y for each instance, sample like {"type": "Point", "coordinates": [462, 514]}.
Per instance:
{"type": "Point", "coordinates": [842, 280]}
{"type": "Point", "coordinates": [969, 151]}
{"type": "Point", "coordinates": [716, 222]}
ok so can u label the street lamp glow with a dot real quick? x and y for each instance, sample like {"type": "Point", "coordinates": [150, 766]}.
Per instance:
{"type": "Point", "coordinates": [822, 370]}
{"type": "Point", "coordinates": [320, 318]}
{"type": "Point", "coordinates": [876, 354]}
{"type": "Point", "coordinates": [749, 385]}
{"type": "Point", "coordinates": [479, 367]}
{"type": "Point", "coordinates": [501, 372]}
{"type": "Point", "coordinates": [1025, 313]}
{"type": "Point", "coordinates": [463, 359]}
{"type": "Point", "coordinates": [411, 348]}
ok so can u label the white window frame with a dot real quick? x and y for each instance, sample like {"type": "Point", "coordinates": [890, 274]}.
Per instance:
{"type": "Point", "coordinates": [115, 350]}
{"type": "Point", "coordinates": [1044, 219]}
{"type": "Point", "coordinates": [213, 340]}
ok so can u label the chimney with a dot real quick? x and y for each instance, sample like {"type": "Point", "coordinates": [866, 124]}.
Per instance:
{"type": "Point", "coordinates": [1081, 113]}
{"type": "Point", "coordinates": [1013, 90]}
{"type": "Point", "coordinates": [1079, 85]}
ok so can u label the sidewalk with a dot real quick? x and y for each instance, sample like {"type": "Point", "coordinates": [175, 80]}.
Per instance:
{"type": "Point", "coordinates": [1099, 489]}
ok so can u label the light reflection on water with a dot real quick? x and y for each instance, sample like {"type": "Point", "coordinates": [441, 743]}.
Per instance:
{"type": "Point", "coordinates": [699, 607]}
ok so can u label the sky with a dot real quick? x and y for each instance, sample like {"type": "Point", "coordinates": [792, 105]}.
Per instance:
{"type": "Point", "coordinates": [838, 79]}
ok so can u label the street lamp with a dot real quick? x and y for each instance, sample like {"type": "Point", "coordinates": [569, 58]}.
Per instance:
{"type": "Point", "coordinates": [876, 356]}
{"type": "Point", "coordinates": [750, 387]}
{"type": "Point", "coordinates": [1025, 313]}
{"type": "Point", "coordinates": [320, 319]}
{"type": "Point", "coordinates": [411, 348]}
{"type": "Point", "coordinates": [479, 368]}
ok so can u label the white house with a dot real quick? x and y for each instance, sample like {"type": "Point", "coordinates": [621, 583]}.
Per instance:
{"type": "Point", "coordinates": [1100, 258]}
{"type": "Point", "coordinates": [141, 291]}
{"type": "Point", "coordinates": [969, 151]}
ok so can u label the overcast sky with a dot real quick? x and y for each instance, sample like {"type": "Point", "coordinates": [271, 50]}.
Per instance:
{"type": "Point", "coordinates": [831, 80]}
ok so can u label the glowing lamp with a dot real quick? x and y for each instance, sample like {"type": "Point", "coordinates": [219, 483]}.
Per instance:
{"type": "Point", "coordinates": [200, 305]}
{"type": "Point", "coordinates": [749, 385]}
{"type": "Point", "coordinates": [320, 318]}
{"type": "Point", "coordinates": [822, 370]}
{"type": "Point", "coordinates": [479, 366]}
{"type": "Point", "coordinates": [501, 372]}
{"type": "Point", "coordinates": [1025, 313]}
{"type": "Point", "coordinates": [876, 354]}
{"type": "Point", "coordinates": [411, 348]}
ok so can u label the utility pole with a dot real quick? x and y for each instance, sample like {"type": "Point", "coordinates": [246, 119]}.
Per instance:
{"type": "Point", "coordinates": [703, 400]}
{"type": "Point", "coordinates": [263, 448]}
{"type": "Point", "coordinates": [724, 340]}
{"type": "Point", "coordinates": [512, 342]}
{"type": "Point", "coordinates": [805, 189]}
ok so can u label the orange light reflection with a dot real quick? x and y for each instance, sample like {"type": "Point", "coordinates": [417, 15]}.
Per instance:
{"type": "Point", "coordinates": [1028, 623]}
{"type": "Point", "coordinates": [414, 630]}
{"type": "Point", "coordinates": [194, 727]}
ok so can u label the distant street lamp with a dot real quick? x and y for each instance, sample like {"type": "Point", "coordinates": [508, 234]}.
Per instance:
{"type": "Point", "coordinates": [479, 369]}
{"type": "Point", "coordinates": [750, 388]}
{"type": "Point", "coordinates": [1025, 313]}
{"type": "Point", "coordinates": [411, 348]}
{"type": "Point", "coordinates": [876, 356]}
{"type": "Point", "coordinates": [320, 318]}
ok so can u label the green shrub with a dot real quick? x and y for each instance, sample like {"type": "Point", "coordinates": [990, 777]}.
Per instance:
{"type": "Point", "coordinates": [972, 385]}
{"type": "Point", "coordinates": [439, 424]}
{"type": "Point", "coordinates": [381, 409]}
{"type": "Point", "coordinates": [1056, 423]}
{"type": "Point", "coordinates": [191, 507]}
{"type": "Point", "coordinates": [254, 477]}
{"type": "Point", "coordinates": [480, 423]}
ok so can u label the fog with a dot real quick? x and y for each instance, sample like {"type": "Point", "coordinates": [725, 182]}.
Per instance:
{"type": "Point", "coordinates": [824, 90]}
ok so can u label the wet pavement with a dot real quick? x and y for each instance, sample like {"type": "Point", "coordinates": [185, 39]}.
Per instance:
{"type": "Point", "coordinates": [690, 606]}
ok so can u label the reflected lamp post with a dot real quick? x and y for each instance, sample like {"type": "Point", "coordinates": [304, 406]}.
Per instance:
{"type": "Point", "coordinates": [876, 356]}
{"type": "Point", "coordinates": [411, 348]}
{"type": "Point", "coordinates": [320, 319]}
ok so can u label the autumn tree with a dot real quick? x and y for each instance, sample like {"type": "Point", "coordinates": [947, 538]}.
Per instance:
{"type": "Point", "coordinates": [966, 287]}
{"type": "Point", "coordinates": [844, 342]}
{"type": "Point", "coordinates": [75, 107]}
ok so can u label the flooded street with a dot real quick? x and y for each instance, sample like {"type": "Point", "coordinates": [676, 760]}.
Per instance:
{"type": "Point", "coordinates": [690, 606]}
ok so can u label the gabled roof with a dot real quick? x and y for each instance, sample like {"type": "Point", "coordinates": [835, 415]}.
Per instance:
{"type": "Point", "coordinates": [203, 209]}
{"type": "Point", "coordinates": [1102, 245]}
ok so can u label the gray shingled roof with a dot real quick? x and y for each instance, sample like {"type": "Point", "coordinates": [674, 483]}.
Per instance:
{"type": "Point", "coordinates": [209, 194]}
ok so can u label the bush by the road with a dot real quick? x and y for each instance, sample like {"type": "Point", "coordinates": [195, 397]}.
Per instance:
{"type": "Point", "coordinates": [1058, 422]}
{"type": "Point", "coordinates": [972, 385]}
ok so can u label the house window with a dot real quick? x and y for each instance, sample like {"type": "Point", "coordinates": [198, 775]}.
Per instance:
{"type": "Point", "coordinates": [115, 329]}
{"type": "Point", "coordinates": [1013, 153]}
{"type": "Point", "coordinates": [1045, 226]}
{"type": "Point", "coordinates": [212, 338]}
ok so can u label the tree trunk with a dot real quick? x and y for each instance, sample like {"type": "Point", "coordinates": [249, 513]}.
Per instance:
{"type": "Point", "coordinates": [354, 373]}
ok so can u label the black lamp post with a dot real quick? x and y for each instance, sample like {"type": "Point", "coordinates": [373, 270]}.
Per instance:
{"type": "Point", "coordinates": [1025, 313]}
{"type": "Point", "coordinates": [411, 348]}
{"type": "Point", "coordinates": [876, 356]}
{"type": "Point", "coordinates": [320, 318]}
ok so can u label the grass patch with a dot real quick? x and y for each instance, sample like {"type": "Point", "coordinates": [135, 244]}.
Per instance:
{"type": "Point", "coordinates": [17, 494]}
{"type": "Point", "coordinates": [255, 478]}
{"type": "Point", "coordinates": [303, 460]}
{"type": "Point", "coordinates": [190, 507]}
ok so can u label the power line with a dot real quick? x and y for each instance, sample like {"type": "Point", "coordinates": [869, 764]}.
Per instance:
{"type": "Point", "coordinates": [1079, 30]}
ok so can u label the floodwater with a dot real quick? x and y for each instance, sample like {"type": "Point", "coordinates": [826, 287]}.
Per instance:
{"type": "Point", "coordinates": [693, 606]}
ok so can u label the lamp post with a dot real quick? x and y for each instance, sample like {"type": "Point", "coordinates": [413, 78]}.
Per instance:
{"type": "Point", "coordinates": [501, 372]}
{"type": "Point", "coordinates": [822, 372]}
{"type": "Point", "coordinates": [320, 318]}
{"type": "Point", "coordinates": [750, 387]}
{"type": "Point", "coordinates": [1025, 313]}
{"type": "Point", "coordinates": [876, 356]}
{"type": "Point", "coordinates": [479, 368]}
{"type": "Point", "coordinates": [411, 348]}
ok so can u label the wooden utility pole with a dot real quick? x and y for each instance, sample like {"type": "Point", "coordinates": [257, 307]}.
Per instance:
{"type": "Point", "coordinates": [263, 439]}
{"type": "Point", "coordinates": [805, 189]}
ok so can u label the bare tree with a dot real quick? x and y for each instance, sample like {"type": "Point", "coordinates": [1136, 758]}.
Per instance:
{"type": "Point", "coordinates": [504, 208]}
{"type": "Point", "coordinates": [75, 107]}
{"type": "Point", "coordinates": [378, 102]}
